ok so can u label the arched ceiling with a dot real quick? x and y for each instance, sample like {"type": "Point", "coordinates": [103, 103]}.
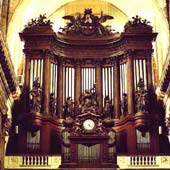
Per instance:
{"type": "Point", "coordinates": [122, 10]}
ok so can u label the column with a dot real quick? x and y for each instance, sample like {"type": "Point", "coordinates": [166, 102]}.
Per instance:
{"type": "Point", "coordinates": [116, 90]}
{"type": "Point", "coordinates": [60, 88]}
{"type": "Point", "coordinates": [130, 85]}
{"type": "Point", "coordinates": [149, 74]}
{"type": "Point", "coordinates": [46, 82]}
{"type": "Point", "coordinates": [77, 82]}
{"type": "Point", "coordinates": [99, 85]}
{"type": "Point", "coordinates": [26, 82]}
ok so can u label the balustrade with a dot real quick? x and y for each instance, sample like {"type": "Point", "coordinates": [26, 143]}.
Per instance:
{"type": "Point", "coordinates": [35, 160]}
{"type": "Point", "coordinates": [142, 160]}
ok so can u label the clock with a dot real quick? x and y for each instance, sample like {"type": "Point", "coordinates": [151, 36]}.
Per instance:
{"type": "Point", "coordinates": [88, 124]}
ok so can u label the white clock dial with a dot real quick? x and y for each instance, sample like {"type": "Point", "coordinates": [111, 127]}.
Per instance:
{"type": "Point", "coordinates": [88, 124]}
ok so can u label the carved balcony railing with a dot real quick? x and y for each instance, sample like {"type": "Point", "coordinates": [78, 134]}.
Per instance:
{"type": "Point", "coordinates": [52, 162]}
{"type": "Point", "coordinates": [35, 160]}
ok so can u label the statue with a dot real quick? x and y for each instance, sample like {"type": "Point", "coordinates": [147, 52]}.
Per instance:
{"type": "Point", "coordinates": [88, 24]}
{"type": "Point", "coordinates": [52, 104]}
{"type": "Point", "coordinates": [108, 107]}
{"type": "Point", "coordinates": [141, 97]}
{"type": "Point", "coordinates": [68, 108]}
{"type": "Point", "coordinates": [35, 97]}
{"type": "Point", "coordinates": [124, 104]}
{"type": "Point", "coordinates": [88, 101]}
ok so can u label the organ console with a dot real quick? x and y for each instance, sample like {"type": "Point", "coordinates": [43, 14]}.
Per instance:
{"type": "Point", "coordinates": [87, 58]}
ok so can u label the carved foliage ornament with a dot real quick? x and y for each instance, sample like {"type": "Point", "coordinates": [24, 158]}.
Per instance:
{"type": "Point", "coordinates": [40, 21]}
{"type": "Point", "coordinates": [138, 21]}
{"type": "Point", "coordinates": [88, 24]}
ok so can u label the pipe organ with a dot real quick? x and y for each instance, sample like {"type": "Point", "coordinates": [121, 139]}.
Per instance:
{"type": "Point", "coordinates": [88, 59]}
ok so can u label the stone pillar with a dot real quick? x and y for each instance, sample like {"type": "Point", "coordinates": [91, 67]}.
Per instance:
{"type": "Point", "coordinates": [77, 89]}
{"type": "Point", "coordinates": [99, 86]}
{"type": "Point", "coordinates": [116, 77]}
{"type": "Point", "coordinates": [46, 82]}
{"type": "Point", "coordinates": [60, 88]}
{"type": "Point", "coordinates": [130, 83]}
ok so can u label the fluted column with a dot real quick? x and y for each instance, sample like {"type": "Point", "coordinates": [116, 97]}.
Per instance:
{"type": "Point", "coordinates": [60, 88]}
{"type": "Point", "coordinates": [130, 84]}
{"type": "Point", "coordinates": [46, 82]}
{"type": "Point", "coordinates": [116, 90]}
{"type": "Point", "coordinates": [77, 82]}
{"type": "Point", "coordinates": [99, 85]}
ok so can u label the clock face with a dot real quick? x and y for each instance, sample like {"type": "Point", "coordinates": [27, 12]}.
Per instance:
{"type": "Point", "coordinates": [88, 124]}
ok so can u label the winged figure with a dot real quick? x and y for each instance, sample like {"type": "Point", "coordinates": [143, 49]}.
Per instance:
{"type": "Point", "coordinates": [75, 22]}
{"type": "Point", "coordinates": [104, 18]}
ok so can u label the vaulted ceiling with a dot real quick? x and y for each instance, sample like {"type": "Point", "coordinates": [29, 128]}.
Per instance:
{"type": "Point", "coordinates": [21, 11]}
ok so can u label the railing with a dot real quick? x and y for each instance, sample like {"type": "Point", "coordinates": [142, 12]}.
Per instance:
{"type": "Point", "coordinates": [52, 162]}
{"type": "Point", "coordinates": [142, 160]}
{"type": "Point", "coordinates": [32, 162]}
{"type": "Point", "coordinates": [35, 160]}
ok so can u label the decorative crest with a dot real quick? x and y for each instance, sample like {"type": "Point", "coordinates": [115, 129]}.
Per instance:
{"type": "Point", "coordinates": [40, 21]}
{"type": "Point", "coordinates": [137, 21]}
{"type": "Point", "coordinates": [88, 24]}
{"type": "Point", "coordinates": [138, 25]}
